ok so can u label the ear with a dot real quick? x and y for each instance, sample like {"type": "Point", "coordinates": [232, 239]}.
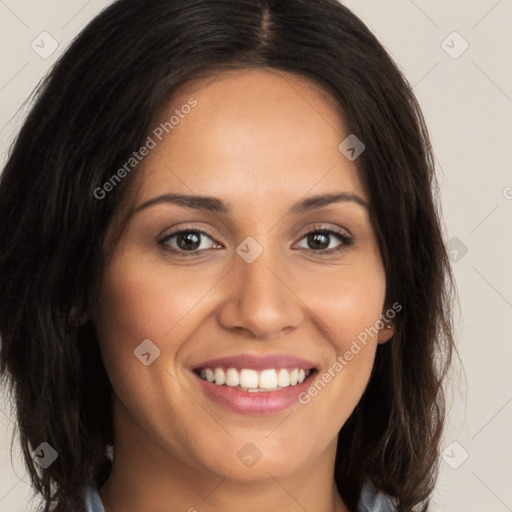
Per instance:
{"type": "Point", "coordinates": [386, 332]}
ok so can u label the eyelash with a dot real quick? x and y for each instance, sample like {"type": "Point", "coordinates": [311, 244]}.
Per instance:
{"type": "Point", "coordinates": [346, 240]}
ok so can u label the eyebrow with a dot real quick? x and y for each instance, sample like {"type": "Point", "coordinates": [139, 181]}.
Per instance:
{"type": "Point", "coordinates": [212, 204]}
{"type": "Point", "coordinates": [319, 201]}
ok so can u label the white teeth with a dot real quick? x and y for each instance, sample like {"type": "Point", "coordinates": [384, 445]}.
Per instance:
{"type": "Point", "coordinates": [220, 376]}
{"type": "Point", "coordinates": [232, 378]}
{"type": "Point", "coordinates": [268, 379]}
{"type": "Point", "coordinates": [252, 381]}
{"type": "Point", "coordinates": [283, 378]}
{"type": "Point", "coordinates": [249, 379]}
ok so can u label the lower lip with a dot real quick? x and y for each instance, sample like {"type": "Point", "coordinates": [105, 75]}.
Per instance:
{"type": "Point", "coordinates": [258, 402]}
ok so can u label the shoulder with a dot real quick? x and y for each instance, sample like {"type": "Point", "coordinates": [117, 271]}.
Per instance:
{"type": "Point", "coordinates": [373, 501]}
{"type": "Point", "coordinates": [92, 497]}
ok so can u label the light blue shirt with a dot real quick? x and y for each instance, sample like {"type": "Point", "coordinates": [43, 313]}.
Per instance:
{"type": "Point", "coordinates": [370, 500]}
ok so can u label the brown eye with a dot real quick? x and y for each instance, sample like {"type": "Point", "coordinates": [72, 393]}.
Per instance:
{"type": "Point", "coordinates": [326, 240]}
{"type": "Point", "coordinates": [187, 240]}
{"type": "Point", "coordinates": [318, 240]}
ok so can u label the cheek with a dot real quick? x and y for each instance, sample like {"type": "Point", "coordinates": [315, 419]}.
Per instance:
{"type": "Point", "coordinates": [348, 301]}
{"type": "Point", "coordinates": [347, 308]}
{"type": "Point", "coordinates": [137, 302]}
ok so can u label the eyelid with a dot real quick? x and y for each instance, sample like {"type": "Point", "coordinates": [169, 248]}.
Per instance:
{"type": "Point", "coordinates": [326, 227]}
{"type": "Point", "coordinates": [204, 231]}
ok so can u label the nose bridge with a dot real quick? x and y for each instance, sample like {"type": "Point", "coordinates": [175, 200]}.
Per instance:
{"type": "Point", "coordinates": [259, 298]}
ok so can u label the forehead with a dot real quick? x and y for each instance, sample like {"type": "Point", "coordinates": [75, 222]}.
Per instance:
{"type": "Point", "coordinates": [250, 132]}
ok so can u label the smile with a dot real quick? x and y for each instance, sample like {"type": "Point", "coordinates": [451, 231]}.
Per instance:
{"type": "Point", "coordinates": [255, 384]}
{"type": "Point", "coordinates": [253, 381]}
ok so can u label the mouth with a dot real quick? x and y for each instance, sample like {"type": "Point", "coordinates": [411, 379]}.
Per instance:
{"type": "Point", "coordinates": [253, 381]}
{"type": "Point", "coordinates": [257, 385]}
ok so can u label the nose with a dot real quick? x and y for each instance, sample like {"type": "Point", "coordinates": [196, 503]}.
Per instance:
{"type": "Point", "coordinates": [260, 299]}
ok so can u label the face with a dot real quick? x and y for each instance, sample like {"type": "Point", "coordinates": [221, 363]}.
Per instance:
{"type": "Point", "coordinates": [266, 284]}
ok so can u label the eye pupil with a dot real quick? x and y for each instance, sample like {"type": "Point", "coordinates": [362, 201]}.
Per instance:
{"type": "Point", "coordinates": [318, 240]}
{"type": "Point", "coordinates": [188, 240]}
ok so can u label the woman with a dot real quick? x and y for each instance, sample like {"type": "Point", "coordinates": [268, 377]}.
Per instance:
{"type": "Point", "coordinates": [225, 283]}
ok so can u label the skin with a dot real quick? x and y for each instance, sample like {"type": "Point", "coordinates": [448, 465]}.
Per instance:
{"type": "Point", "coordinates": [259, 141]}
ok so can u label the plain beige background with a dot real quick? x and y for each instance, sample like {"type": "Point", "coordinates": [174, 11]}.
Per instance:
{"type": "Point", "coordinates": [457, 56]}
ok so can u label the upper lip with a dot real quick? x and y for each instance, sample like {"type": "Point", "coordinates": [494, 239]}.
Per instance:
{"type": "Point", "coordinates": [257, 362]}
